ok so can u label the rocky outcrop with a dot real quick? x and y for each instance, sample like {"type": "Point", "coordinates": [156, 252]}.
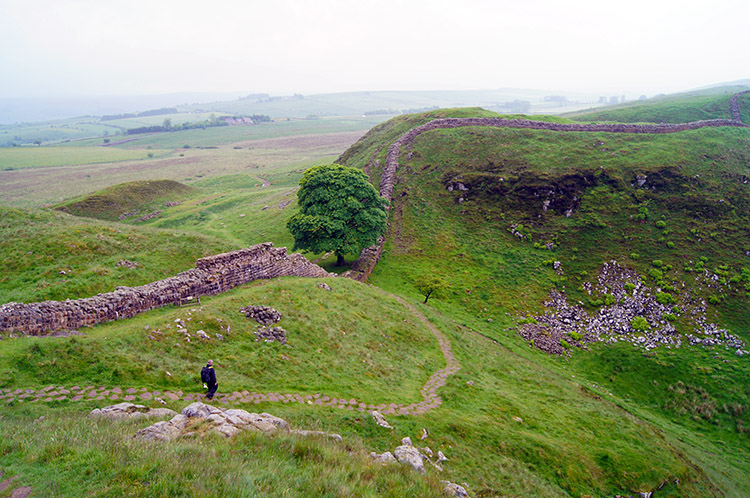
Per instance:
{"type": "Point", "coordinates": [212, 275]}
{"type": "Point", "coordinates": [224, 422]}
{"type": "Point", "coordinates": [634, 314]}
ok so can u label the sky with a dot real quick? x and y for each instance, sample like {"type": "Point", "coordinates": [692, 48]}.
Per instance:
{"type": "Point", "coordinates": [72, 48]}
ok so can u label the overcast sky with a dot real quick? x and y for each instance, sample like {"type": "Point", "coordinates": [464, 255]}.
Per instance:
{"type": "Point", "coordinates": [57, 48]}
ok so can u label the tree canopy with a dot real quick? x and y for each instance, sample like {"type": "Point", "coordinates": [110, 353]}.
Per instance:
{"type": "Point", "coordinates": [430, 285]}
{"type": "Point", "coordinates": [340, 212]}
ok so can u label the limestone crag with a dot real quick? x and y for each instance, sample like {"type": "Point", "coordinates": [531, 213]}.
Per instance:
{"type": "Point", "coordinates": [212, 275]}
{"type": "Point", "coordinates": [370, 256]}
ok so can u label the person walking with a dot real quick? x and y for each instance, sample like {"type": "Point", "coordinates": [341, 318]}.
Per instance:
{"type": "Point", "coordinates": [208, 376]}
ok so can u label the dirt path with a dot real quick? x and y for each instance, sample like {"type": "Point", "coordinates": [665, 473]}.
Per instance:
{"type": "Point", "coordinates": [430, 398]}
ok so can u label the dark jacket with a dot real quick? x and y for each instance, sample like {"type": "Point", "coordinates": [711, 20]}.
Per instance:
{"type": "Point", "coordinates": [211, 375]}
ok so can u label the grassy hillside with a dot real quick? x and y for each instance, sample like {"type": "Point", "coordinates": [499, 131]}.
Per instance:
{"type": "Point", "coordinates": [50, 255]}
{"type": "Point", "coordinates": [510, 424]}
{"type": "Point", "coordinates": [489, 241]}
{"type": "Point", "coordinates": [675, 108]}
{"type": "Point", "coordinates": [489, 211]}
{"type": "Point", "coordinates": [132, 197]}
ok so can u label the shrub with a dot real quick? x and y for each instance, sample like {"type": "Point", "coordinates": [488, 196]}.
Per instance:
{"type": "Point", "coordinates": [665, 298]}
{"type": "Point", "coordinates": [661, 223]}
{"type": "Point", "coordinates": [634, 255]}
{"type": "Point", "coordinates": [670, 244]}
{"type": "Point", "coordinates": [629, 287]}
{"type": "Point", "coordinates": [564, 344]}
{"type": "Point", "coordinates": [596, 302]}
{"type": "Point", "coordinates": [576, 336]}
{"type": "Point", "coordinates": [656, 274]}
{"type": "Point", "coordinates": [609, 299]}
{"type": "Point", "coordinates": [528, 319]}
{"type": "Point", "coordinates": [714, 299]}
{"type": "Point", "coordinates": [639, 323]}
{"type": "Point", "coordinates": [670, 317]}
{"type": "Point", "coordinates": [657, 263]}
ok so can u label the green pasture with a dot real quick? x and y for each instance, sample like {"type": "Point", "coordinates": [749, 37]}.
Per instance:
{"type": "Point", "coordinates": [13, 158]}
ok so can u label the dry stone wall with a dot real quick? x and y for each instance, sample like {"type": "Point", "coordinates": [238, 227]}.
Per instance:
{"type": "Point", "coordinates": [211, 275]}
{"type": "Point", "coordinates": [370, 255]}
{"type": "Point", "coordinates": [734, 105]}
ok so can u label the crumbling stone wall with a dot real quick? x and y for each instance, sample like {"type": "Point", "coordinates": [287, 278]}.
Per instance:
{"type": "Point", "coordinates": [211, 275]}
{"type": "Point", "coordinates": [734, 105]}
{"type": "Point", "coordinates": [370, 255]}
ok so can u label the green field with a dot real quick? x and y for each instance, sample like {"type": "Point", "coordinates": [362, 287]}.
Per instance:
{"type": "Point", "coordinates": [40, 157]}
{"type": "Point", "coordinates": [600, 420]}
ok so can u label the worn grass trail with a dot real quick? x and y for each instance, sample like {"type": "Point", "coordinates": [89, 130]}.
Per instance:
{"type": "Point", "coordinates": [430, 398]}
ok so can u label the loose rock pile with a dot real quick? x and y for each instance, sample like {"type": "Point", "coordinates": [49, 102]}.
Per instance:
{"type": "Point", "coordinates": [614, 322]}
{"type": "Point", "coordinates": [264, 315]}
{"type": "Point", "coordinates": [271, 334]}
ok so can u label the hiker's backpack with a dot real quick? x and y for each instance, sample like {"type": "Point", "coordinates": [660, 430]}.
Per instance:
{"type": "Point", "coordinates": [205, 375]}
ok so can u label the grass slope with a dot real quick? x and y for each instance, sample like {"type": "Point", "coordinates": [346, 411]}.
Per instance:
{"type": "Point", "coordinates": [676, 108]}
{"type": "Point", "coordinates": [514, 421]}
{"type": "Point", "coordinates": [131, 197]}
{"type": "Point", "coordinates": [690, 216]}
{"type": "Point", "coordinates": [50, 255]}
{"type": "Point", "coordinates": [510, 423]}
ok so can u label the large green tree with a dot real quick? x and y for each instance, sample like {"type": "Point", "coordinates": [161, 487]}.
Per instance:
{"type": "Point", "coordinates": [340, 212]}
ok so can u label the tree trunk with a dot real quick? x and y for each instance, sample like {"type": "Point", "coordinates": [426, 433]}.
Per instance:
{"type": "Point", "coordinates": [427, 297]}
{"type": "Point", "coordinates": [340, 260]}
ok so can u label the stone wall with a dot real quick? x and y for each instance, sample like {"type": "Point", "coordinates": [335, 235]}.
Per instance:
{"type": "Point", "coordinates": [370, 255]}
{"type": "Point", "coordinates": [734, 105]}
{"type": "Point", "coordinates": [211, 275]}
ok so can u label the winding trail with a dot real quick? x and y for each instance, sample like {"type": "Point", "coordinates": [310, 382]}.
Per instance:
{"type": "Point", "coordinates": [429, 392]}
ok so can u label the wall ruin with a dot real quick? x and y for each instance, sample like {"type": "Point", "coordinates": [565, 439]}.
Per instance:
{"type": "Point", "coordinates": [211, 275]}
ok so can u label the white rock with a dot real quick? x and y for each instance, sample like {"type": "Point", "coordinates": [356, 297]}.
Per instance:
{"type": "Point", "coordinates": [200, 410]}
{"type": "Point", "coordinates": [408, 454]}
{"type": "Point", "coordinates": [160, 431]}
{"type": "Point", "coordinates": [455, 490]}
{"type": "Point", "coordinates": [385, 458]}
{"type": "Point", "coordinates": [380, 420]}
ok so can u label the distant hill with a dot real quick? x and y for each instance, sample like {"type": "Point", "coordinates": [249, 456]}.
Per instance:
{"type": "Point", "coordinates": [707, 103]}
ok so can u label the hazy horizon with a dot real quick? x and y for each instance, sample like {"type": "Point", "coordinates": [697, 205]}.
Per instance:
{"type": "Point", "coordinates": [83, 48]}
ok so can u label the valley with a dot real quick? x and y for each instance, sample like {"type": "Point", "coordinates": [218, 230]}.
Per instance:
{"type": "Point", "coordinates": [561, 242]}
